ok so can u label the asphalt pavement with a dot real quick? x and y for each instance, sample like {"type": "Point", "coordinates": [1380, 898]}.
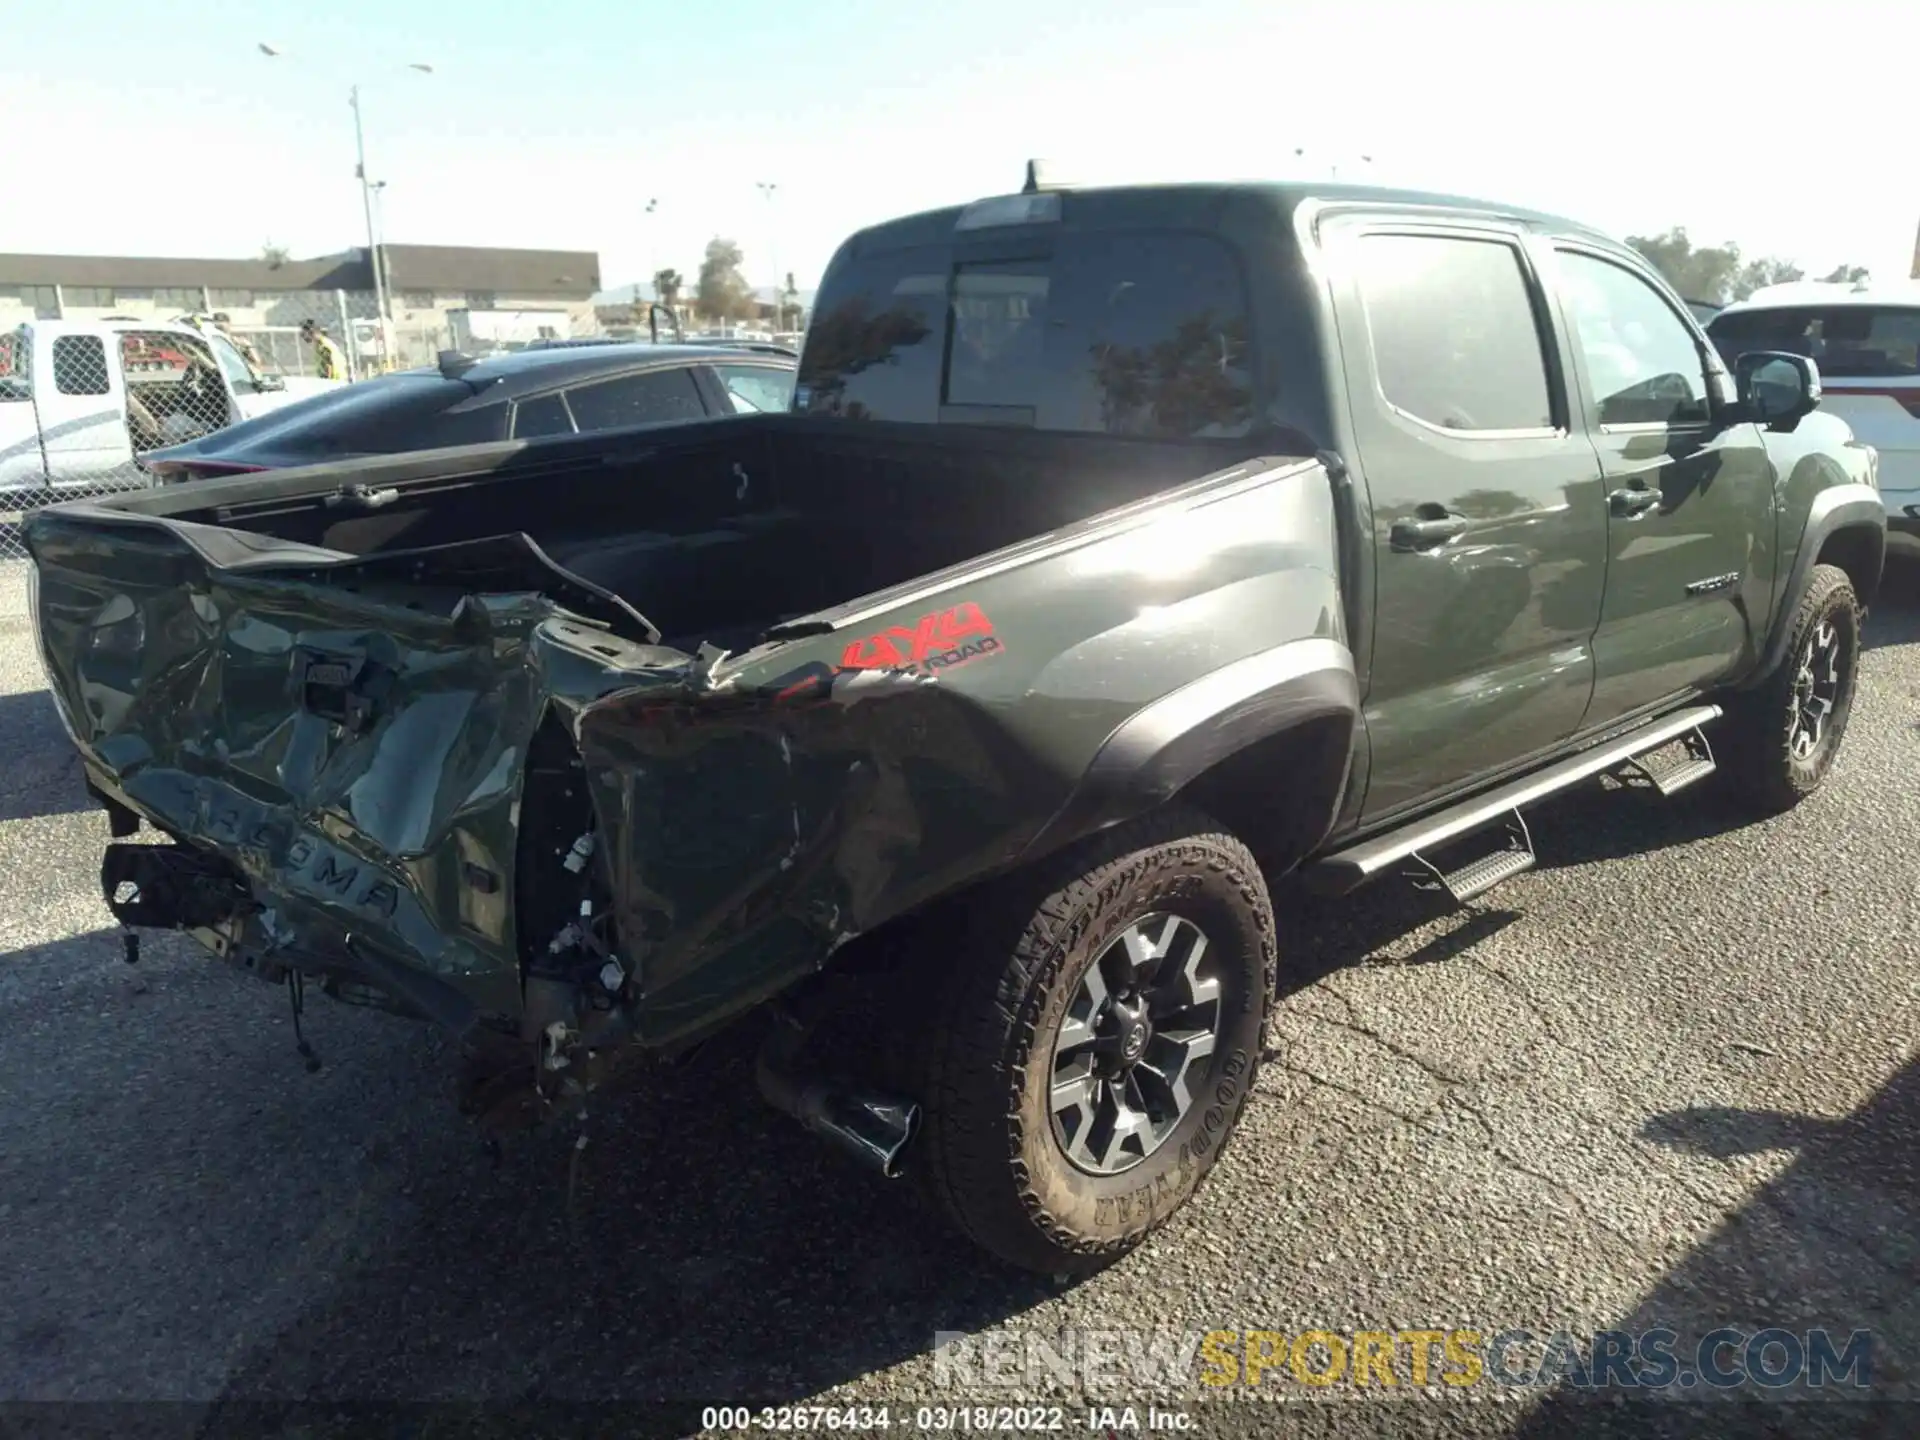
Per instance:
{"type": "Point", "coordinates": [1667, 1077]}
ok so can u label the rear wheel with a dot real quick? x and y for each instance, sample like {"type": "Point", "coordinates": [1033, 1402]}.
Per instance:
{"type": "Point", "coordinates": [1097, 1043]}
{"type": "Point", "coordinates": [1780, 739]}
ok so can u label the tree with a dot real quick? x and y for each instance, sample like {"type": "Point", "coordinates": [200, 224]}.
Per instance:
{"type": "Point", "coordinates": [1758, 274]}
{"type": "Point", "coordinates": [274, 255]}
{"type": "Point", "coordinates": [1698, 274]}
{"type": "Point", "coordinates": [1183, 385]}
{"type": "Point", "coordinates": [1714, 273]}
{"type": "Point", "coordinates": [667, 285]}
{"type": "Point", "coordinates": [1847, 275]}
{"type": "Point", "coordinates": [722, 291]}
{"type": "Point", "coordinates": [848, 340]}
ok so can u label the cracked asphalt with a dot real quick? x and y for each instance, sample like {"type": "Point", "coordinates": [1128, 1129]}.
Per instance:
{"type": "Point", "coordinates": [1669, 1076]}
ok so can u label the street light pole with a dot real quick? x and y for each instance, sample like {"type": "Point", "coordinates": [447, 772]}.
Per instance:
{"type": "Point", "coordinates": [767, 187]}
{"type": "Point", "coordinates": [646, 245]}
{"type": "Point", "coordinates": [373, 240]}
{"type": "Point", "coordinates": [376, 262]}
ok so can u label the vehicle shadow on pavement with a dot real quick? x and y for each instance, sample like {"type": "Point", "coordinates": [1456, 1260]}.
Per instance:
{"type": "Point", "coordinates": [1610, 820]}
{"type": "Point", "coordinates": [235, 1230]}
{"type": "Point", "coordinates": [711, 1250]}
{"type": "Point", "coordinates": [30, 786]}
{"type": "Point", "coordinates": [1321, 935]}
{"type": "Point", "coordinates": [1829, 1243]}
{"type": "Point", "coordinates": [1895, 616]}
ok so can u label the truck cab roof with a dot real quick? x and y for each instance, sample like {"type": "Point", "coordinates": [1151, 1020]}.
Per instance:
{"type": "Point", "coordinates": [111, 326]}
{"type": "Point", "coordinates": [1205, 205]}
{"type": "Point", "coordinates": [1174, 311]}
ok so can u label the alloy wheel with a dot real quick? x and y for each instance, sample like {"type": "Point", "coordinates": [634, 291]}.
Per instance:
{"type": "Point", "coordinates": [1134, 1046]}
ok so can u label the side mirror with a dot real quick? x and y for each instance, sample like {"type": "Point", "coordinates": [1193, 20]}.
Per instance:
{"type": "Point", "coordinates": [263, 384]}
{"type": "Point", "coordinates": [1777, 388]}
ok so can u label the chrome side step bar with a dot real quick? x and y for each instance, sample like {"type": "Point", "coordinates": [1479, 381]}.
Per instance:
{"type": "Point", "coordinates": [1344, 869]}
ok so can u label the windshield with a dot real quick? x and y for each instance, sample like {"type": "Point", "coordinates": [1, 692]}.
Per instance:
{"type": "Point", "coordinates": [1116, 333]}
{"type": "Point", "coordinates": [1846, 341]}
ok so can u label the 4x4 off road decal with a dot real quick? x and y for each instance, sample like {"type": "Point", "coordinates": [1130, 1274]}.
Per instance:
{"type": "Point", "coordinates": [939, 642]}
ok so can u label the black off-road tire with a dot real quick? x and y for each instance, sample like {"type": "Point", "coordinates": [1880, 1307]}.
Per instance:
{"type": "Point", "coordinates": [987, 1155]}
{"type": "Point", "coordinates": [1755, 743]}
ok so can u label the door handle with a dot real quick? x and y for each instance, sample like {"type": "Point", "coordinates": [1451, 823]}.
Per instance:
{"type": "Point", "coordinates": [1425, 534]}
{"type": "Point", "coordinates": [1633, 500]}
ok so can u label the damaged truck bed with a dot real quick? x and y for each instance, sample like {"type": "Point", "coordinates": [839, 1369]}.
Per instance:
{"type": "Point", "coordinates": [462, 776]}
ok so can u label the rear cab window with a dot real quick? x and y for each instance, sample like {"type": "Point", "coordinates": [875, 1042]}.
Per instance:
{"type": "Point", "coordinates": [1110, 332]}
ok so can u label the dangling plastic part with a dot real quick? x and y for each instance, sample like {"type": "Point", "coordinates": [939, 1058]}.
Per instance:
{"type": "Point", "coordinates": [297, 993]}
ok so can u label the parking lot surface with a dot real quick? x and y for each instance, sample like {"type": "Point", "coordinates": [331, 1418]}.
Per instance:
{"type": "Point", "coordinates": [1669, 1076]}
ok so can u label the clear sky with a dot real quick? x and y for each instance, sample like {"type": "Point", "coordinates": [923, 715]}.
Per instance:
{"type": "Point", "coordinates": [157, 126]}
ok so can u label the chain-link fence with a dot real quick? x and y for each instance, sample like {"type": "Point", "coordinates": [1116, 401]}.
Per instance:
{"type": "Point", "coordinates": [84, 401]}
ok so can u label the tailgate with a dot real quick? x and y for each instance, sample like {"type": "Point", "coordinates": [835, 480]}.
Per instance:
{"type": "Point", "coordinates": [349, 739]}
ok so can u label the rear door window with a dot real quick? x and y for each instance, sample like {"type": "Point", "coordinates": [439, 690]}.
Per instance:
{"type": "Point", "coordinates": [652, 397]}
{"type": "Point", "coordinates": [1114, 332]}
{"type": "Point", "coordinates": [1456, 341]}
{"type": "Point", "coordinates": [1865, 342]}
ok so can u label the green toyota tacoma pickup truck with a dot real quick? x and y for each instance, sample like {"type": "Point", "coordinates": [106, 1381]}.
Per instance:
{"type": "Point", "coordinates": [1124, 548]}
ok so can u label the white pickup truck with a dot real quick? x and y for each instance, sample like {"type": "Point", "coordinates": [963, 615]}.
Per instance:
{"type": "Point", "coordinates": [81, 400]}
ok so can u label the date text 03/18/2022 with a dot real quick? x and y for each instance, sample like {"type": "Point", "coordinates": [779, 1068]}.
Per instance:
{"type": "Point", "coordinates": [945, 1419]}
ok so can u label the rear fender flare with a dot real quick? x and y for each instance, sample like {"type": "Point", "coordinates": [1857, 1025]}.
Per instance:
{"type": "Point", "coordinates": [1165, 746]}
{"type": "Point", "coordinates": [1835, 509]}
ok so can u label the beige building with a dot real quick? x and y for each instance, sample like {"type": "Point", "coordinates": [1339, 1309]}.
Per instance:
{"type": "Point", "coordinates": [429, 287]}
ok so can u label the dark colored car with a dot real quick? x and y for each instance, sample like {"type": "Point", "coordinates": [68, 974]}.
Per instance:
{"type": "Point", "coordinates": [528, 394]}
{"type": "Point", "coordinates": [1121, 549]}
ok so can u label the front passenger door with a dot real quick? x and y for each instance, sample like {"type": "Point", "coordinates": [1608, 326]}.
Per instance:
{"type": "Point", "coordinates": [1690, 531]}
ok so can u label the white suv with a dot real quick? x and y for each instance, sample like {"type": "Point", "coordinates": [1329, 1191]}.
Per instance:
{"type": "Point", "coordinates": [1866, 341]}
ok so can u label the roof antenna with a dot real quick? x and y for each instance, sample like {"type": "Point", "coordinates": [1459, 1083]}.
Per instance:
{"type": "Point", "coordinates": [455, 363]}
{"type": "Point", "coordinates": [1032, 187]}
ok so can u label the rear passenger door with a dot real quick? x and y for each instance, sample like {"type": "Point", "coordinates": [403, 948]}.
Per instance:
{"type": "Point", "coordinates": [1488, 526]}
{"type": "Point", "coordinates": [1690, 497]}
